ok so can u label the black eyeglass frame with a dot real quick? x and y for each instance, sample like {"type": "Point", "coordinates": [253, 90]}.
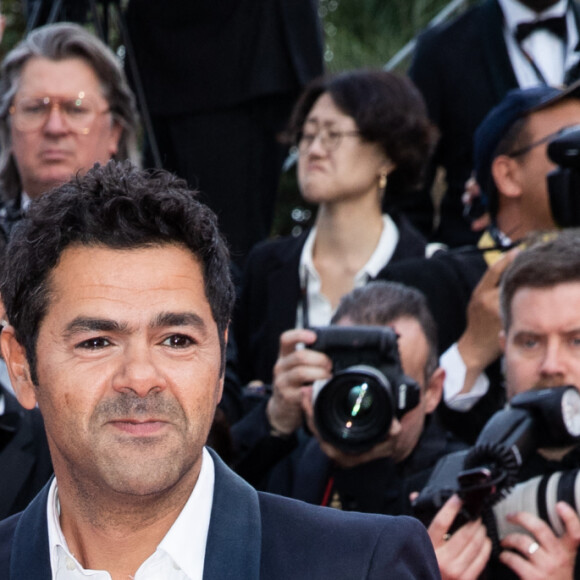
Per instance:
{"type": "Point", "coordinates": [546, 139]}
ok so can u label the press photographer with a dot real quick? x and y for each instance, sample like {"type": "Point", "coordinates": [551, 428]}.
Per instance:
{"type": "Point", "coordinates": [483, 475]}
{"type": "Point", "coordinates": [511, 164]}
{"type": "Point", "coordinates": [393, 441]}
{"type": "Point", "coordinates": [540, 309]}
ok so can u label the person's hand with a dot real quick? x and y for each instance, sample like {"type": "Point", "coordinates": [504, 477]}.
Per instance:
{"type": "Point", "coordinates": [347, 460]}
{"type": "Point", "coordinates": [295, 368]}
{"type": "Point", "coordinates": [479, 345]}
{"type": "Point", "coordinates": [471, 200]}
{"type": "Point", "coordinates": [465, 553]}
{"type": "Point", "coordinates": [543, 555]}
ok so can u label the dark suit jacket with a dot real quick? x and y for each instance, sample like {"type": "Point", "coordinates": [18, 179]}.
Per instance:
{"type": "Point", "coordinates": [380, 486]}
{"type": "Point", "coordinates": [254, 535]}
{"type": "Point", "coordinates": [447, 280]}
{"type": "Point", "coordinates": [463, 70]}
{"type": "Point", "coordinates": [25, 464]}
{"type": "Point", "coordinates": [271, 292]}
{"type": "Point", "coordinates": [207, 55]}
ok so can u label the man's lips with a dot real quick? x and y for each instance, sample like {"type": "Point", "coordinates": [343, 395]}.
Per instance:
{"type": "Point", "coordinates": [138, 426]}
{"type": "Point", "coordinates": [55, 154]}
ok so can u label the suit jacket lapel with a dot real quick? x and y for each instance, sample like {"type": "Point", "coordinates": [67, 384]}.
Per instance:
{"type": "Point", "coordinates": [573, 73]}
{"type": "Point", "coordinates": [30, 554]}
{"type": "Point", "coordinates": [501, 73]}
{"type": "Point", "coordinates": [234, 540]}
{"type": "Point", "coordinates": [233, 543]}
{"type": "Point", "coordinates": [311, 473]}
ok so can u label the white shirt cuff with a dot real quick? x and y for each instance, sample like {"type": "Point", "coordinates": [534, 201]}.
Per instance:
{"type": "Point", "coordinates": [455, 371]}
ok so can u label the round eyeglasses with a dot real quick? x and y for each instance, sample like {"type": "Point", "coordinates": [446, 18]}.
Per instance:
{"type": "Point", "coordinates": [78, 113]}
{"type": "Point", "coordinates": [329, 139]}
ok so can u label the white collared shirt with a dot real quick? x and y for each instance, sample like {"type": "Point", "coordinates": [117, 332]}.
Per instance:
{"type": "Point", "coordinates": [552, 56]}
{"type": "Point", "coordinates": [319, 308]}
{"type": "Point", "coordinates": [179, 556]}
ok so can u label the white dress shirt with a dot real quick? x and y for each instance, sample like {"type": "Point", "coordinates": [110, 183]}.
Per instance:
{"type": "Point", "coordinates": [320, 310]}
{"type": "Point", "coordinates": [179, 556]}
{"type": "Point", "coordinates": [551, 55]}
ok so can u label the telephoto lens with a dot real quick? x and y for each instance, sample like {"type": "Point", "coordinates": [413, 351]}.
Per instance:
{"type": "Point", "coordinates": [538, 496]}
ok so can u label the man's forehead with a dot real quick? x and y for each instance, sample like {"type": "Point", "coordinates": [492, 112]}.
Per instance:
{"type": "Point", "coordinates": [58, 75]}
{"type": "Point", "coordinates": [555, 117]}
{"type": "Point", "coordinates": [133, 267]}
{"type": "Point", "coordinates": [531, 304]}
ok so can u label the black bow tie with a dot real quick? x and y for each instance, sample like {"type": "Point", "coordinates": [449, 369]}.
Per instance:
{"type": "Point", "coordinates": [555, 25]}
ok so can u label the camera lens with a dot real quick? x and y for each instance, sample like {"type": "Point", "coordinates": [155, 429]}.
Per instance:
{"type": "Point", "coordinates": [354, 411]}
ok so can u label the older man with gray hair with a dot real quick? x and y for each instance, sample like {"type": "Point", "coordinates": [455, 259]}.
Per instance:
{"type": "Point", "coordinates": [65, 104]}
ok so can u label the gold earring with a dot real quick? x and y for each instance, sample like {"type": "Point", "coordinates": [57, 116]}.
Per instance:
{"type": "Point", "coordinates": [382, 181]}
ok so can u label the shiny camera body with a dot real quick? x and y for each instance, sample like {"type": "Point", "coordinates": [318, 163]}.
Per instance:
{"type": "Point", "coordinates": [355, 408]}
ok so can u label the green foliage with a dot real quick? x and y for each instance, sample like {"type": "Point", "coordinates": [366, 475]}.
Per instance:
{"type": "Point", "coordinates": [367, 33]}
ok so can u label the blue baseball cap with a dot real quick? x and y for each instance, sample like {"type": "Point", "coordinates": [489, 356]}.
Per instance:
{"type": "Point", "coordinates": [518, 103]}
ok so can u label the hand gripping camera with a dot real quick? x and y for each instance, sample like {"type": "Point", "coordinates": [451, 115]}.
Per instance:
{"type": "Point", "coordinates": [486, 473]}
{"type": "Point", "coordinates": [355, 408]}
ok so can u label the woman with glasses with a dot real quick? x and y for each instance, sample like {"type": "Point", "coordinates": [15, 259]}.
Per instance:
{"type": "Point", "coordinates": [360, 136]}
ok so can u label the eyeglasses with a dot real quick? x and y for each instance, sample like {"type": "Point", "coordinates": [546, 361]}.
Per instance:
{"type": "Point", "coordinates": [32, 113]}
{"type": "Point", "coordinates": [546, 139]}
{"type": "Point", "coordinates": [329, 139]}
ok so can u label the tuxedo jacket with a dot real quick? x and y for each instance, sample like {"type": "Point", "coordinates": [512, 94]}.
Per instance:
{"type": "Point", "coordinates": [463, 70]}
{"type": "Point", "coordinates": [271, 293]}
{"type": "Point", "coordinates": [259, 536]}
{"type": "Point", "coordinates": [25, 464]}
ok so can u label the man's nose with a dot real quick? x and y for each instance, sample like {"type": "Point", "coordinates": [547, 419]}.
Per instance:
{"type": "Point", "coordinates": [138, 372]}
{"type": "Point", "coordinates": [552, 363]}
{"type": "Point", "coordinates": [55, 122]}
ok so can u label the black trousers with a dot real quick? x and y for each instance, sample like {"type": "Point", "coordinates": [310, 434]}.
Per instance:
{"type": "Point", "coordinates": [233, 158]}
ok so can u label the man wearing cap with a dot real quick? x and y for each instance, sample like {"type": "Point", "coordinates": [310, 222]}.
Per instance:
{"type": "Point", "coordinates": [505, 44]}
{"type": "Point", "coordinates": [461, 286]}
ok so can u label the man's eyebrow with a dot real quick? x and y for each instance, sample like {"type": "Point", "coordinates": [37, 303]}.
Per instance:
{"type": "Point", "coordinates": [178, 319]}
{"type": "Point", "coordinates": [88, 324]}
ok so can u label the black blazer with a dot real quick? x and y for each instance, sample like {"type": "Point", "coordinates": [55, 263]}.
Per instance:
{"type": "Point", "coordinates": [448, 280]}
{"type": "Point", "coordinates": [378, 486]}
{"type": "Point", "coordinates": [25, 464]}
{"type": "Point", "coordinates": [463, 70]}
{"type": "Point", "coordinates": [271, 292]}
{"type": "Point", "coordinates": [210, 54]}
{"type": "Point", "coordinates": [260, 536]}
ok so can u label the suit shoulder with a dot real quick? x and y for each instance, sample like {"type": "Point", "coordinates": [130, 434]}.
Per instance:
{"type": "Point", "coordinates": [276, 247]}
{"type": "Point", "coordinates": [458, 29]}
{"type": "Point", "coordinates": [336, 544]}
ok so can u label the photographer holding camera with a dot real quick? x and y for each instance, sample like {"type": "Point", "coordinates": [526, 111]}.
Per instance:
{"type": "Point", "coordinates": [540, 309]}
{"type": "Point", "coordinates": [390, 450]}
{"type": "Point", "coordinates": [461, 286]}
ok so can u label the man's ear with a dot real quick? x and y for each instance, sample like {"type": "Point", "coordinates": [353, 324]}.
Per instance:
{"type": "Point", "coordinates": [18, 369]}
{"type": "Point", "coordinates": [434, 390]}
{"type": "Point", "coordinates": [115, 138]}
{"type": "Point", "coordinates": [505, 173]}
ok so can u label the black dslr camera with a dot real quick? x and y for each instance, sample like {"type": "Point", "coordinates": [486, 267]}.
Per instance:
{"type": "Point", "coordinates": [564, 182]}
{"type": "Point", "coordinates": [486, 473]}
{"type": "Point", "coordinates": [355, 408]}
